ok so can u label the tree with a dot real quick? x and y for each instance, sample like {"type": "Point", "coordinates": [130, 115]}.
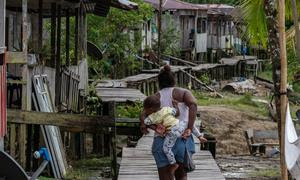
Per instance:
{"type": "Point", "coordinates": [119, 35]}
{"type": "Point", "coordinates": [262, 26]}
{"type": "Point", "coordinates": [296, 24]}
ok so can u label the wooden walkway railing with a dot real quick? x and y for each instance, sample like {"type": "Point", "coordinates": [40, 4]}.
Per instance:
{"type": "Point", "coordinates": [138, 163]}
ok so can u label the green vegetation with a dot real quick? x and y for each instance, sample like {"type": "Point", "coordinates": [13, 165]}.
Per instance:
{"type": "Point", "coordinates": [266, 173]}
{"type": "Point", "coordinates": [86, 168]}
{"type": "Point", "coordinates": [130, 111]}
{"type": "Point", "coordinates": [119, 35]}
{"type": "Point", "coordinates": [170, 37]}
{"type": "Point", "coordinates": [45, 178]}
{"type": "Point", "coordinates": [242, 103]}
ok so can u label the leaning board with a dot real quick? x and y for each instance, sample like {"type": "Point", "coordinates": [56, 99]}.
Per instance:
{"type": "Point", "coordinates": [138, 163]}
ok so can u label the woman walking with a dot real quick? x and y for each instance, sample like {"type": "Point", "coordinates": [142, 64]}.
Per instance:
{"type": "Point", "coordinates": [188, 109]}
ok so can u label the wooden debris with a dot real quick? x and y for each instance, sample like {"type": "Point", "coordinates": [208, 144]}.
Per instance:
{"type": "Point", "coordinates": [188, 63]}
{"type": "Point", "coordinates": [202, 83]}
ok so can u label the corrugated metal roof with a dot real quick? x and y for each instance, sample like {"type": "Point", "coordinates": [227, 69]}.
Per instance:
{"type": "Point", "coordinates": [119, 94]}
{"type": "Point", "coordinates": [173, 5]}
{"type": "Point", "coordinates": [180, 5]}
{"type": "Point", "coordinates": [101, 7]}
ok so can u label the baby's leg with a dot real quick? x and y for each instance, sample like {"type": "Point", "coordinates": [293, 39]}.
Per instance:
{"type": "Point", "coordinates": [169, 142]}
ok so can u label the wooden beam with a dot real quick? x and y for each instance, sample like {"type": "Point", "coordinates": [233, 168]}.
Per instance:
{"type": "Point", "coordinates": [202, 84]}
{"type": "Point", "coordinates": [73, 122]}
{"type": "Point", "coordinates": [181, 60]}
{"type": "Point", "coordinates": [16, 57]}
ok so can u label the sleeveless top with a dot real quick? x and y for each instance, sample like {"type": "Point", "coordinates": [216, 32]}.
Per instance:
{"type": "Point", "coordinates": [166, 97]}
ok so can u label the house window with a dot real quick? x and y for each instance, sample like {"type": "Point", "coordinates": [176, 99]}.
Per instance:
{"type": "Point", "coordinates": [201, 25]}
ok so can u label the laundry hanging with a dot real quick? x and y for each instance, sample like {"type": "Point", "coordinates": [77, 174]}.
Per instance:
{"type": "Point", "coordinates": [292, 147]}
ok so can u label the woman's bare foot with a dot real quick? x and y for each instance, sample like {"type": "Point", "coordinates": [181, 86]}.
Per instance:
{"type": "Point", "coordinates": [173, 167]}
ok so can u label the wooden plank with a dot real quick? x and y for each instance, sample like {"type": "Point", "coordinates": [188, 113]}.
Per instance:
{"type": "Point", "coordinates": [181, 60]}
{"type": "Point", "coordinates": [202, 84]}
{"type": "Point", "coordinates": [265, 134]}
{"type": "Point", "coordinates": [138, 163]}
{"type": "Point", "coordinates": [16, 57]}
{"type": "Point", "coordinates": [112, 84]}
{"type": "Point", "coordinates": [119, 94]}
{"type": "Point", "coordinates": [140, 77]}
{"type": "Point", "coordinates": [89, 123]}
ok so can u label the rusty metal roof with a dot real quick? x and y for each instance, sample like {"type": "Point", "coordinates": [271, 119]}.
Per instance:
{"type": "Point", "coordinates": [173, 5]}
{"type": "Point", "coordinates": [180, 5]}
{"type": "Point", "coordinates": [101, 7]}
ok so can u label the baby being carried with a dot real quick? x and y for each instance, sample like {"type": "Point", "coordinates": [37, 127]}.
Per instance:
{"type": "Point", "coordinates": [167, 117]}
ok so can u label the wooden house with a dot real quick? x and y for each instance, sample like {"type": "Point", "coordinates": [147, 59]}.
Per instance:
{"type": "Point", "coordinates": [26, 27]}
{"type": "Point", "coordinates": [207, 31]}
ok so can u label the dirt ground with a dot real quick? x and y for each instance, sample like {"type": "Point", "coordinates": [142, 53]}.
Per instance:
{"type": "Point", "coordinates": [248, 167]}
{"type": "Point", "coordinates": [228, 126]}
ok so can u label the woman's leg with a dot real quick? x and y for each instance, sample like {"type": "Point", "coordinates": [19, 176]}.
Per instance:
{"type": "Point", "coordinates": [164, 173]}
{"type": "Point", "coordinates": [180, 173]}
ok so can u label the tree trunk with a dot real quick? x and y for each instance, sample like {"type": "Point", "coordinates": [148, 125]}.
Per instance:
{"type": "Point", "coordinates": [296, 24]}
{"type": "Point", "coordinates": [283, 86]}
{"type": "Point", "coordinates": [274, 51]}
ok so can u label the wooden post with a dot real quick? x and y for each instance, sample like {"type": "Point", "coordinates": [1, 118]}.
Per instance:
{"type": "Point", "coordinates": [113, 153]}
{"type": "Point", "coordinates": [67, 37]}
{"type": "Point", "coordinates": [26, 98]}
{"type": "Point", "coordinates": [53, 34]}
{"type": "Point", "coordinates": [2, 75]}
{"type": "Point", "coordinates": [57, 59]}
{"type": "Point", "coordinates": [283, 87]}
{"type": "Point", "coordinates": [159, 29]}
{"type": "Point", "coordinates": [76, 35]}
{"type": "Point", "coordinates": [40, 38]}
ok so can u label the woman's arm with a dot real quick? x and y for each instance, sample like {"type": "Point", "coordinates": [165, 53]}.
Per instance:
{"type": "Point", "coordinates": [191, 102]}
{"type": "Point", "coordinates": [175, 105]}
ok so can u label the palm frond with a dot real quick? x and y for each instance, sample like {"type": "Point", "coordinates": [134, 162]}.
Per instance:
{"type": "Point", "coordinates": [255, 19]}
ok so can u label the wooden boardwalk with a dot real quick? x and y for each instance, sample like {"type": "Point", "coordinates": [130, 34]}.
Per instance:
{"type": "Point", "coordinates": [138, 163]}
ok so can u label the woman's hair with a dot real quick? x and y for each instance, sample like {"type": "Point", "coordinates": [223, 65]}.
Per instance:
{"type": "Point", "coordinates": [152, 102]}
{"type": "Point", "coordinates": [166, 77]}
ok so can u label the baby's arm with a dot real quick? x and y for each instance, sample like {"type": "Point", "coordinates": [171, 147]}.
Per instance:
{"type": "Point", "coordinates": [199, 135]}
{"type": "Point", "coordinates": [196, 132]}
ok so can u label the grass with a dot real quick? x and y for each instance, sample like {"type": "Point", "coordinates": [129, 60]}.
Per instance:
{"type": "Point", "coordinates": [85, 168]}
{"type": "Point", "coordinates": [93, 162]}
{"type": "Point", "coordinates": [273, 172]}
{"type": "Point", "coordinates": [266, 75]}
{"type": "Point", "coordinates": [45, 178]}
{"type": "Point", "coordinates": [238, 102]}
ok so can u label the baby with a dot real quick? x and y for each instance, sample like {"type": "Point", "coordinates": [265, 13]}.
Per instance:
{"type": "Point", "coordinates": [174, 128]}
